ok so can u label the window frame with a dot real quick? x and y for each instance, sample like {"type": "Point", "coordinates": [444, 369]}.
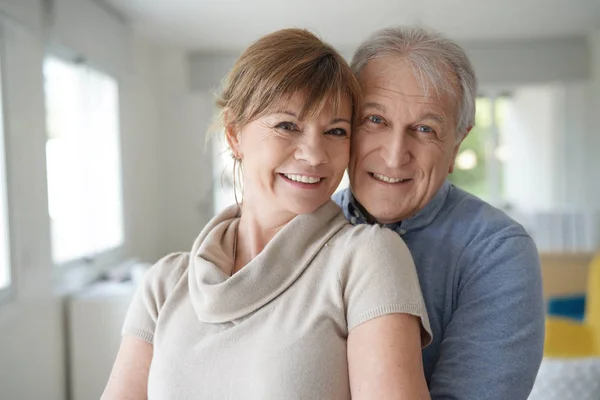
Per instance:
{"type": "Point", "coordinates": [7, 293]}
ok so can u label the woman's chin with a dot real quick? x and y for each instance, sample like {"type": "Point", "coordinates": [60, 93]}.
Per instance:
{"type": "Point", "coordinates": [307, 207]}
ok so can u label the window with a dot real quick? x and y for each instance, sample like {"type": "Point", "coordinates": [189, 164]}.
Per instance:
{"type": "Point", "coordinates": [5, 275]}
{"type": "Point", "coordinates": [83, 161]}
{"type": "Point", "coordinates": [527, 155]}
{"type": "Point", "coordinates": [478, 167]}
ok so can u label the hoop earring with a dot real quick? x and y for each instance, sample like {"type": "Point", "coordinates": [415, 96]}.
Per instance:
{"type": "Point", "coordinates": [237, 166]}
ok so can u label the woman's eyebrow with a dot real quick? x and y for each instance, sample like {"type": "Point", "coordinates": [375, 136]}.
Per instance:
{"type": "Point", "coordinates": [336, 120]}
{"type": "Point", "coordinates": [290, 113]}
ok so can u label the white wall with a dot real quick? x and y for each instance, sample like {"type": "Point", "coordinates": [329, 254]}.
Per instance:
{"type": "Point", "coordinates": [186, 166]}
{"type": "Point", "coordinates": [26, 12]}
{"type": "Point", "coordinates": [533, 61]}
{"type": "Point", "coordinates": [141, 164]}
{"type": "Point", "coordinates": [99, 36]}
{"type": "Point", "coordinates": [31, 345]}
{"type": "Point", "coordinates": [167, 169]}
{"type": "Point", "coordinates": [206, 70]}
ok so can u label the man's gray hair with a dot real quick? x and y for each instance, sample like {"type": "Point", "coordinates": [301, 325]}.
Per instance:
{"type": "Point", "coordinates": [432, 58]}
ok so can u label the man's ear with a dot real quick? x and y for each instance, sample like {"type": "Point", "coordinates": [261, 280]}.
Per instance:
{"type": "Point", "coordinates": [455, 150]}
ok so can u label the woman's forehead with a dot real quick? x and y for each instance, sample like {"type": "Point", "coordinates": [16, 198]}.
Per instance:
{"type": "Point", "coordinates": [301, 106]}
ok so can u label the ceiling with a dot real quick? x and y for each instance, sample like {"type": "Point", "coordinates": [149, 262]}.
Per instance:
{"type": "Point", "coordinates": [224, 25]}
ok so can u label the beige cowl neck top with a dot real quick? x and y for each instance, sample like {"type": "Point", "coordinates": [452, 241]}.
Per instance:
{"type": "Point", "coordinates": [278, 328]}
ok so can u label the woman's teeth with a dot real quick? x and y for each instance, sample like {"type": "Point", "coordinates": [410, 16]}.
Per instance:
{"type": "Point", "coordinates": [302, 178]}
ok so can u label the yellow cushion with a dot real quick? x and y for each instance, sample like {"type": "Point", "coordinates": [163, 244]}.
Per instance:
{"type": "Point", "coordinates": [592, 306]}
{"type": "Point", "coordinates": [566, 339]}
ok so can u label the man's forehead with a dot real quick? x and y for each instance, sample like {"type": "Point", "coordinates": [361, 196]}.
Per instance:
{"type": "Point", "coordinates": [395, 78]}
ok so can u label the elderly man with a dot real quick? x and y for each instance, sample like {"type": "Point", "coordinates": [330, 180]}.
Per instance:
{"type": "Point", "coordinates": [478, 269]}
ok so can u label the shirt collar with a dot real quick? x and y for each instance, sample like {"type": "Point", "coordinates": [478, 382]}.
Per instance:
{"type": "Point", "coordinates": [421, 219]}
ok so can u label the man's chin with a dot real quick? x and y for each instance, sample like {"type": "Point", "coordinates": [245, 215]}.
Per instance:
{"type": "Point", "coordinates": [388, 218]}
{"type": "Point", "coordinates": [381, 209]}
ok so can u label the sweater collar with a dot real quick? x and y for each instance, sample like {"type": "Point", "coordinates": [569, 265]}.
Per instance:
{"type": "Point", "coordinates": [218, 297]}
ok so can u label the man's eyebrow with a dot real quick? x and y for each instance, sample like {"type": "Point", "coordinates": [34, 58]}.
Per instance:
{"type": "Point", "coordinates": [436, 117]}
{"type": "Point", "coordinates": [376, 106]}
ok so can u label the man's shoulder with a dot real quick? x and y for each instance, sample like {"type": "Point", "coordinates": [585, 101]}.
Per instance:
{"type": "Point", "coordinates": [482, 236]}
{"type": "Point", "coordinates": [478, 217]}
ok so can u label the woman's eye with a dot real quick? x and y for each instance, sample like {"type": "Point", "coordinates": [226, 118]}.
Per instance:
{"type": "Point", "coordinates": [337, 132]}
{"type": "Point", "coordinates": [376, 119]}
{"type": "Point", "coordinates": [287, 126]}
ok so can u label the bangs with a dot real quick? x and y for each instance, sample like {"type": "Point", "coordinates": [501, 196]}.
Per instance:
{"type": "Point", "coordinates": [326, 87]}
{"type": "Point", "coordinates": [324, 84]}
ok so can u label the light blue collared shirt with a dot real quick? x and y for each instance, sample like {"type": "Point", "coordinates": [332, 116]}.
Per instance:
{"type": "Point", "coordinates": [480, 276]}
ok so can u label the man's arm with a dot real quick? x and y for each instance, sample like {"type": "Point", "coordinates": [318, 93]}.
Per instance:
{"type": "Point", "coordinates": [493, 346]}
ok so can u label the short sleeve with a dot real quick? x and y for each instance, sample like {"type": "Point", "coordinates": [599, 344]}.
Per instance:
{"type": "Point", "coordinates": [151, 295]}
{"type": "Point", "coordinates": [380, 278]}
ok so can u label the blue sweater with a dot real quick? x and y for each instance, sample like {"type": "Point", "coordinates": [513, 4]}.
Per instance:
{"type": "Point", "coordinates": [480, 276]}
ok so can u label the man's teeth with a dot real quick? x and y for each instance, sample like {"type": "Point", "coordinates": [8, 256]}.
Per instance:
{"type": "Point", "coordinates": [386, 179]}
{"type": "Point", "coordinates": [302, 178]}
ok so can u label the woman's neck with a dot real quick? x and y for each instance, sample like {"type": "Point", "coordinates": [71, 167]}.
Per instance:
{"type": "Point", "coordinates": [256, 228]}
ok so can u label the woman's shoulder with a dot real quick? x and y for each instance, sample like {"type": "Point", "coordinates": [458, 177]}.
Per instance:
{"type": "Point", "coordinates": [167, 271]}
{"type": "Point", "coordinates": [371, 240]}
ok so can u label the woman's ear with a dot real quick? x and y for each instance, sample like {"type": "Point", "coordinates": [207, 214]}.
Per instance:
{"type": "Point", "coordinates": [233, 140]}
{"type": "Point", "coordinates": [233, 137]}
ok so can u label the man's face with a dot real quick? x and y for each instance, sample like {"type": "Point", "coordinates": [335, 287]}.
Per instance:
{"type": "Point", "coordinates": [404, 144]}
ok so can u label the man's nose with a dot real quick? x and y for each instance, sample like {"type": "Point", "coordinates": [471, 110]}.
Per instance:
{"type": "Point", "coordinates": [396, 152]}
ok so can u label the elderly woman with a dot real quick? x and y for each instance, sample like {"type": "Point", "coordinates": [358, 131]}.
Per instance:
{"type": "Point", "coordinates": [280, 297]}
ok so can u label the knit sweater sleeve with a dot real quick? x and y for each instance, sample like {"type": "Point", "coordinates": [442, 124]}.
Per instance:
{"type": "Point", "coordinates": [497, 327]}
{"type": "Point", "coordinates": [380, 278]}
{"type": "Point", "coordinates": [151, 295]}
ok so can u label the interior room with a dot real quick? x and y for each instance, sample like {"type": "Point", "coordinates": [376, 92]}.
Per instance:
{"type": "Point", "coordinates": [106, 164]}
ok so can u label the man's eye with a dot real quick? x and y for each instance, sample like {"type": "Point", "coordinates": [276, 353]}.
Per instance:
{"type": "Point", "coordinates": [338, 132]}
{"type": "Point", "coordinates": [376, 119]}
{"type": "Point", "coordinates": [425, 129]}
{"type": "Point", "coordinates": [287, 126]}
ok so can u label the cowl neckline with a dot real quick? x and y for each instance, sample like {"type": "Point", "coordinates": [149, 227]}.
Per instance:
{"type": "Point", "coordinates": [218, 297]}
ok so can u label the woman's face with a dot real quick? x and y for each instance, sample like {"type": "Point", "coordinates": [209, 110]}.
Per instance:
{"type": "Point", "coordinates": [290, 165]}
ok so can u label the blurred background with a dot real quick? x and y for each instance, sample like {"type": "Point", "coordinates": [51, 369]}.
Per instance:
{"type": "Point", "coordinates": [105, 166]}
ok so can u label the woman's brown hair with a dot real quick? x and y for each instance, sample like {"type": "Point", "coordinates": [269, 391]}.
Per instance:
{"type": "Point", "coordinates": [280, 65]}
